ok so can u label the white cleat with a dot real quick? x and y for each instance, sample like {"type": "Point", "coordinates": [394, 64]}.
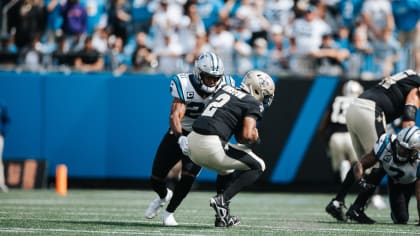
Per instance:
{"type": "Point", "coordinates": [4, 188]}
{"type": "Point", "coordinates": [169, 219]}
{"type": "Point", "coordinates": [378, 202]}
{"type": "Point", "coordinates": [157, 204]}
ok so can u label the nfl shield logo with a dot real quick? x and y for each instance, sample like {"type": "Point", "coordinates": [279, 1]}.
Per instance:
{"type": "Point", "coordinates": [190, 94]}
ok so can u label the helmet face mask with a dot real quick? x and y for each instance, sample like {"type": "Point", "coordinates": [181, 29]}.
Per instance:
{"type": "Point", "coordinates": [208, 71]}
{"type": "Point", "coordinates": [405, 154]}
{"type": "Point", "coordinates": [408, 144]}
{"type": "Point", "coordinates": [260, 85]}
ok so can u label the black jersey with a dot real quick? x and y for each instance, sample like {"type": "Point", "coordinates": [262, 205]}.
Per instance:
{"type": "Point", "coordinates": [225, 112]}
{"type": "Point", "coordinates": [390, 94]}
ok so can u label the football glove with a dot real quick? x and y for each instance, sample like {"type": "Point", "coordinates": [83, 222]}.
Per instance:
{"type": "Point", "coordinates": [365, 185]}
{"type": "Point", "coordinates": [183, 144]}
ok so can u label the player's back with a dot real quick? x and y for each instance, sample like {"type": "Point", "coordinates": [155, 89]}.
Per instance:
{"type": "Point", "coordinates": [224, 114]}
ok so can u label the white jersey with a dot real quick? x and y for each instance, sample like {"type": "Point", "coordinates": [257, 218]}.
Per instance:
{"type": "Point", "coordinates": [183, 87]}
{"type": "Point", "coordinates": [400, 173]}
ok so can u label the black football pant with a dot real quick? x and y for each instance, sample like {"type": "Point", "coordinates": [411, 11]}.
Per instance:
{"type": "Point", "coordinates": [399, 198]}
{"type": "Point", "coordinates": [167, 155]}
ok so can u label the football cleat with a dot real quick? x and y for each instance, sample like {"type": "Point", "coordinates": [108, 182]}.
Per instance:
{"type": "Point", "coordinates": [157, 204]}
{"type": "Point", "coordinates": [169, 219]}
{"type": "Point", "coordinates": [221, 208]}
{"type": "Point", "coordinates": [229, 221]}
{"type": "Point", "coordinates": [357, 214]}
{"type": "Point", "coordinates": [335, 209]}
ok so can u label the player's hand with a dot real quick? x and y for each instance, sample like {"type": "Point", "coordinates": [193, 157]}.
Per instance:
{"type": "Point", "coordinates": [183, 144]}
{"type": "Point", "coordinates": [364, 185]}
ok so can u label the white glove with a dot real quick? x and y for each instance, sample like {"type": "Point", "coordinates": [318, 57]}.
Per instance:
{"type": "Point", "coordinates": [183, 144]}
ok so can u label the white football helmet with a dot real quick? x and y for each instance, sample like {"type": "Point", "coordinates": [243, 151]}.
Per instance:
{"type": "Point", "coordinates": [352, 88]}
{"type": "Point", "coordinates": [408, 144]}
{"type": "Point", "coordinates": [260, 85]}
{"type": "Point", "coordinates": [208, 71]}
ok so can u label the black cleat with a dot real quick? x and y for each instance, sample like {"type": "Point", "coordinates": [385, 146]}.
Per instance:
{"type": "Point", "coordinates": [221, 207]}
{"type": "Point", "coordinates": [335, 209]}
{"type": "Point", "coordinates": [357, 214]}
{"type": "Point", "coordinates": [229, 221]}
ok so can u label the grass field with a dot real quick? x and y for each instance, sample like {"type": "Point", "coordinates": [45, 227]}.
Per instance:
{"type": "Point", "coordinates": [120, 212]}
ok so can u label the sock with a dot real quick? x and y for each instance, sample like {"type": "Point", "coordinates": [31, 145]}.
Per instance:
{"type": "Point", "coordinates": [181, 190]}
{"type": "Point", "coordinates": [222, 182]}
{"type": "Point", "coordinates": [159, 186]}
{"type": "Point", "coordinates": [243, 179]}
{"type": "Point", "coordinates": [345, 186]}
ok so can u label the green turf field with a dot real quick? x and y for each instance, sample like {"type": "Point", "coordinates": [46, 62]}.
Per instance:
{"type": "Point", "coordinates": [120, 212]}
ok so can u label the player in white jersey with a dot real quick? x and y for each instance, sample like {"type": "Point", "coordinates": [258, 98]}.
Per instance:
{"type": "Point", "coordinates": [190, 92]}
{"type": "Point", "coordinates": [399, 156]}
{"type": "Point", "coordinates": [336, 134]}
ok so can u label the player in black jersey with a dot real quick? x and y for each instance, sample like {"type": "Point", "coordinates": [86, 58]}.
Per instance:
{"type": "Point", "coordinates": [231, 112]}
{"type": "Point", "coordinates": [393, 97]}
{"type": "Point", "coordinates": [190, 92]}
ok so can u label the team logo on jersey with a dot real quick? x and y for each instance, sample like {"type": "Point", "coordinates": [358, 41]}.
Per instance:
{"type": "Point", "coordinates": [190, 94]}
{"type": "Point", "coordinates": [387, 158]}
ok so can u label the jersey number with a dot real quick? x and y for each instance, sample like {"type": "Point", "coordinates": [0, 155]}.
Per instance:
{"type": "Point", "coordinates": [398, 175]}
{"type": "Point", "coordinates": [390, 80]}
{"type": "Point", "coordinates": [194, 109]}
{"type": "Point", "coordinates": [219, 101]}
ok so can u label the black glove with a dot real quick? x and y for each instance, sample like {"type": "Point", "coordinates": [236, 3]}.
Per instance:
{"type": "Point", "coordinates": [364, 185]}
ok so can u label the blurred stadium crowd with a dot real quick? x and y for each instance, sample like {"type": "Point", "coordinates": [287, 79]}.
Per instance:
{"type": "Point", "coordinates": [364, 39]}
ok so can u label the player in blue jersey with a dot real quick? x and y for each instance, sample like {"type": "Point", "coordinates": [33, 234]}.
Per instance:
{"type": "Point", "coordinates": [190, 92]}
{"type": "Point", "coordinates": [399, 156]}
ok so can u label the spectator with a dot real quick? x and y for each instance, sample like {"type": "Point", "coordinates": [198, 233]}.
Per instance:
{"type": "Point", "coordinates": [360, 63]}
{"type": "Point", "coordinates": [100, 39]}
{"type": "Point", "coordinates": [330, 58]}
{"type": "Point", "coordinates": [260, 54]}
{"type": "Point", "coordinates": [201, 45]}
{"type": "Point", "coordinates": [222, 41]}
{"type": "Point", "coordinates": [169, 55]}
{"type": "Point", "coordinates": [8, 51]}
{"type": "Point", "coordinates": [143, 60]}
{"type": "Point", "coordinates": [349, 12]}
{"type": "Point", "coordinates": [32, 56]}
{"type": "Point", "coordinates": [377, 15]}
{"type": "Point", "coordinates": [74, 22]}
{"type": "Point", "coordinates": [407, 21]}
{"type": "Point", "coordinates": [306, 38]}
{"type": "Point", "coordinates": [190, 25]}
{"type": "Point", "coordinates": [279, 51]}
{"type": "Point", "coordinates": [89, 59]}
{"type": "Point", "coordinates": [251, 11]}
{"type": "Point", "coordinates": [386, 51]}
{"type": "Point", "coordinates": [118, 61]}
{"type": "Point", "coordinates": [119, 19]}
{"type": "Point", "coordinates": [30, 22]}
{"type": "Point", "coordinates": [97, 14]}
{"type": "Point", "coordinates": [209, 10]}
{"type": "Point", "coordinates": [242, 48]}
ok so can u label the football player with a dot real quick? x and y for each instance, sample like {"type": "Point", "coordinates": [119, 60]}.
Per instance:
{"type": "Point", "coordinates": [190, 92]}
{"type": "Point", "coordinates": [340, 148]}
{"type": "Point", "coordinates": [231, 111]}
{"type": "Point", "coordinates": [399, 156]}
{"type": "Point", "coordinates": [393, 97]}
